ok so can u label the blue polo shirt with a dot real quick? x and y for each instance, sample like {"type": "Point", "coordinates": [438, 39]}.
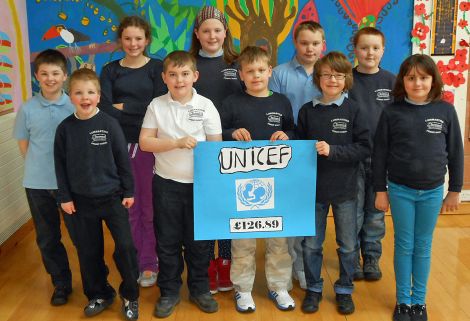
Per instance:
{"type": "Point", "coordinates": [292, 80]}
{"type": "Point", "coordinates": [36, 121]}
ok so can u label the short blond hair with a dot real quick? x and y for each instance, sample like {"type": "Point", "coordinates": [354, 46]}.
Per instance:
{"type": "Point", "coordinates": [179, 58]}
{"type": "Point", "coordinates": [253, 53]}
{"type": "Point", "coordinates": [85, 74]}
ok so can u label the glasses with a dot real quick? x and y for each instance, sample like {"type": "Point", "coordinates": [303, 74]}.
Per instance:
{"type": "Point", "coordinates": [329, 76]}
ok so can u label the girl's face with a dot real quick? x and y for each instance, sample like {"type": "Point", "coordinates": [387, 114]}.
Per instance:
{"type": "Point", "coordinates": [417, 84]}
{"type": "Point", "coordinates": [331, 83]}
{"type": "Point", "coordinates": [211, 34]}
{"type": "Point", "coordinates": [133, 41]}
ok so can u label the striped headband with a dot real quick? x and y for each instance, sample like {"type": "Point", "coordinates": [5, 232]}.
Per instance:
{"type": "Point", "coordinates": [209, 12]}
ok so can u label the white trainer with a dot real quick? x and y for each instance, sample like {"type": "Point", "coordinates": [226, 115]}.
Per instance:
{"type": "Point", "coordinates": [147, 279]}
{"type": "Point", "coordinates": [244, 302]}
{"type": "Point", "coordinates": [282, 299]}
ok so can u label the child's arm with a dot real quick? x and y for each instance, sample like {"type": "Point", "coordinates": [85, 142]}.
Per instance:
{"type": "Point", "coordinates": [360, 147]}
{"type": "Point", "coordinates": [23, 146]}
{"type": "Point", "coordinates": [214, 138]}
{"type": "Point", "coordinates": [60, 161]}
{"type": "Point", "coordinates": [381, 201]}
{"type": "Point", "coordinates": [106, 98]}
{"type": "Point", "coordinates": [455, 155]}
{"type": "Point", "coordinates": [451, 202]}
{"type": "Point", "coordinates": [149, 142]}
{"type": "Point", "coordinates": [380, 155]}
{"type": "Point", "coordinates": [279, 135]}
{"type": "Point", "coordinates": [288, 124]}
{"type": "Point", "coordinates": [121, 159]}
{"type": "Point", "coordinates": [241, 134]}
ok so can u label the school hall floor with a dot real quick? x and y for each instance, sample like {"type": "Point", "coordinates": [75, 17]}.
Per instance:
{"type": "Point", "coordinates": [25, 288]}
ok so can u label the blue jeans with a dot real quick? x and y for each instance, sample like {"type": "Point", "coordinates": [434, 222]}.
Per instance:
{"type": "Point", "coordinates": [46, 217]}
{"type": "Point", "coordinates": [344, 214]}
{"type": "Point", "coordinates": [414, 214]}
{"type": "Point", "coordinates": [370, 221]}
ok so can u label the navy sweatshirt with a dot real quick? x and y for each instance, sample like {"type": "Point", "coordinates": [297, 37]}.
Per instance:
{"type": "Point", "coordinates": [217, 79]}
{"type": "Point", "coordinates": [345, 129]}
{"type": "Point", "coordinates": [135, 88]}
{"type": "Point", "coordinates": [415, 144]}
{"type": "Point", "coordinates": [91, 158]}
{"type": "Point", "coordinates": [372, 92]}
{"type": "Point", "coordinates": [261, 116]}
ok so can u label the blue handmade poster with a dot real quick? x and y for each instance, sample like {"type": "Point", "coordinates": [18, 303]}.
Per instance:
{"type": "Point", "coordinates": [255, 189]}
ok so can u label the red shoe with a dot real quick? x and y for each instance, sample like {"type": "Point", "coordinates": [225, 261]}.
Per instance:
{"type": "Point", "coordinates": [223, 270]}
{"type": "Point", "coordinates": [213, 276]}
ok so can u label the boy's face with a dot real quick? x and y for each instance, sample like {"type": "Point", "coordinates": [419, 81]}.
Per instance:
{"type": "Point", "coordinates": [51, 79]}
{"type": "Point", "coordinates": [256, 76]}
{"type": "Point", "coordinates": [211, 35]}
{"type": "Point", "coordinates": [85, 96]}
{"type": "Point", "coordinates": [331, 83]}
{"type": "Point", "coordinates": [309, 46]}
{"type": "Point", "coordinates": [133, 41]}
{"type": "Point", "coordinates": [369, 51]}
{"type": "Point", "coordinates": [180, 80]}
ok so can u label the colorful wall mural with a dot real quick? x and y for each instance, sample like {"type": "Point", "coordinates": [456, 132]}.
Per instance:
{"type": "Point", "coordinates": [85, 30]}
{"type": "Point", "coordinates": [14, 49]}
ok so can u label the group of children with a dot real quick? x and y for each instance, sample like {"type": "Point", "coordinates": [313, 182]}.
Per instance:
{"type": "Point", "coordinates": [380, 141]}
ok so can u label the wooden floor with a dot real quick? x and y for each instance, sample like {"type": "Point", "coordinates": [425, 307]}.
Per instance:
{"type": "Point", "coordinates": [25, 288]}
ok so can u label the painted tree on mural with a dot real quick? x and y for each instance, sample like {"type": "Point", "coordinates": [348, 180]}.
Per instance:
{"type": "Point", "coordinates": [263, 23]}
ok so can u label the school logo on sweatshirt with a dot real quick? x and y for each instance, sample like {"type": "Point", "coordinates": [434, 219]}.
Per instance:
{"type": "Point", "coordinates": [339, 125]}
{"type": "Point", "coordinates": [383, 94]}
{"type": "Point", "coordinates": [229, 73]}
{"type": "Point", "coordinates": [196, 114]}
{"type": "Point", "coordinates": [99, 137]}
{"type": "Point", "coordinates": [274, 119]}
{"type": "Point", "coordinates": [434, 125]}
{"type": "Point", "coordinates": [255, 194]}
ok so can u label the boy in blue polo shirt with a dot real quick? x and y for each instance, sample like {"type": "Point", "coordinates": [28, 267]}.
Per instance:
{"type": "Point", "coordinates": [294, 79]}
{"type": "Point", "coordinates": [35, 126]}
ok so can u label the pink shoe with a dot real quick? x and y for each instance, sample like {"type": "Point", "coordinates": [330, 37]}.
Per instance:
{"type": "Point", "coordinates": [213, 276]}
{"type": "Point", "coordinates": [223, 271]}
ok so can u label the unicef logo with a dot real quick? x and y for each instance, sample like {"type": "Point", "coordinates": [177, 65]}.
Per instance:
{"type": "Point", "coordinates": [255, 194]}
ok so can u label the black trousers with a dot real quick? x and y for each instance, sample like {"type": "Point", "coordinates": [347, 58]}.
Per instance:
{"type": "Point", "coordinates": [174, 229]}
{"type": "Point", "coordinates": [46, 218]}
{"type": "Point", "coordinates": [87, 223]}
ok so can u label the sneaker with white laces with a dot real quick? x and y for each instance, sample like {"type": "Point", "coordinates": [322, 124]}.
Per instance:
{"type": "Point", "coordinates": [130, 309]}
{"type": "Point", "coordinates": [244, 302]}
{"type": "Point", "coordinates": [282, 299]}
{"type": "Point", "coordinates": [147, 279]}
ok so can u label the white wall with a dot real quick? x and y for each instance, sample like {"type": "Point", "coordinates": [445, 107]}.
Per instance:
{"type": "Point", "coordinates": [14, 210]}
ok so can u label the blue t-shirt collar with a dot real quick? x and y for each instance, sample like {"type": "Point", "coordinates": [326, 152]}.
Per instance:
{"type": "Point", "coordinates": [204, 54]}
{"type": "Point", "coordinates": [63, 99]}
{"type": "Point", "coordinates": [316, 101]}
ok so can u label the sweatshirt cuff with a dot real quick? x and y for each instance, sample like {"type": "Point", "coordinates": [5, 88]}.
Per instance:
{"type": "Point", "coordinates": [455, 188]}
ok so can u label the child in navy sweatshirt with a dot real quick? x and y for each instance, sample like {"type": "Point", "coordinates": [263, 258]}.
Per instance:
{"type": "Point", "coordinates": [343, 141]}
{"type": "Point", "coordinates": [418, 138]}
{"type": "Point", "coordinates": [95, 185]}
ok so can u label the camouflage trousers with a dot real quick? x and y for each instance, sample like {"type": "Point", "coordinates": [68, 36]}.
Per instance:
{"type": "Point", "coordinates": [278, 264]}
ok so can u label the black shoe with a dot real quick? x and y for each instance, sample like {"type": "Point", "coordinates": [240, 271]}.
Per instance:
{"type": "Point", "coordinates": [311, 301]}
{"type": "Point", "coordinates": [371, 269]}
{"type": "Point", "coordinates": [60, 295]}
{"type": "Point", "coordinates": [345, 303]}
{"type": "Point", "coordinates": [165, 306]}
{"type": "Point", "coordinates": [358, 273]}
{"type": "Point", "coordinates": [401, 312]}
{"type": "Point", "coordinates": [205, 302]}
{"type": "Point", "coordinates": [130, 309]}
{"type": "Point", "coordinates": [96, 306]}
{"type": "Point", "coordinates": [418, 312]}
